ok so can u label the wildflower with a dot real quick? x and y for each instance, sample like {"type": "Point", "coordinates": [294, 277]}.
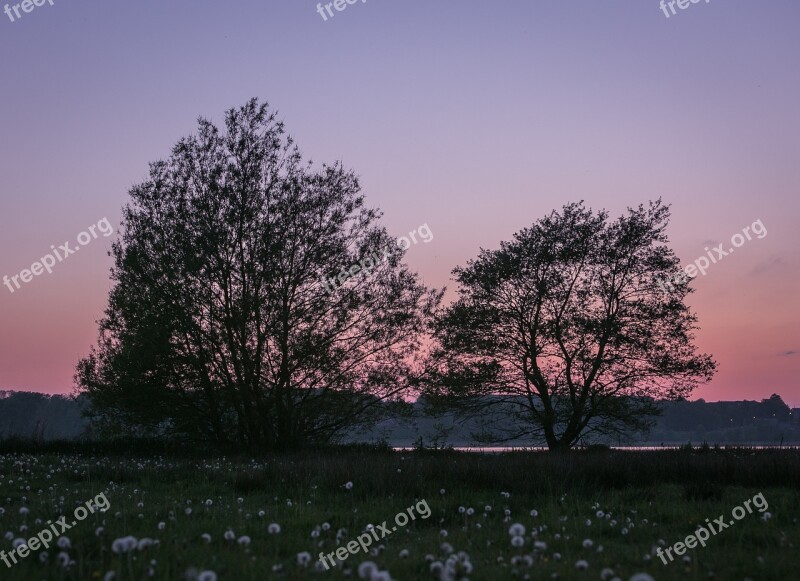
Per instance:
{"type": "Point", "coordinates": [367, 569]}
{"type": "Point", "coordinates": [303, 559]}
{"type": "Point", "coordinates": [124, 545]}
{"type": "Point", "coordinates": [209, 502]}
{"type": "Point", "coordinates": [206, 537]}
{"type": "Point", "coordinates": [144, 543]}
{"type": "Point", "coordinates": [534, 513]}
{"type": "Point", "coordinates": [516, 530]}
{"type": "Point", "coordinates": [587, 543]}
{"type": "Point", "coordinates": [244, 540]}
{"type": "Point", "coordinates": [229, 535]}
{"type": "Point", "coordinates": [348, 485]}
{"type": "Point", "coordinates": [517, 541]}
{"type": "Point", "coordinates": [63, 543]}
{"type": "Point", "coordinates": [403, 554]}
{"type": "Point", "coordinates": [207, 576]}
{"type": "Point", "coordinates": [641, 577]}
{"type": "Point", "coordinates": [274, 528]}
{"type": "Point", "coordinates": [581, 565]}
{"type": "Point", "coordinates": [162, 525]}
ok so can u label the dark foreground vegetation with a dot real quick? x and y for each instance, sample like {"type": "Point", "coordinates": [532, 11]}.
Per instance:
{"type": "Point", "coordinates": [198, 514]}
{"type": "Point", "coordinates": [595, 468]}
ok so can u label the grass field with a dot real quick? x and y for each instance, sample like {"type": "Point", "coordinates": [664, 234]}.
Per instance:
{"type": "Point", "coordinates": [586, 515]}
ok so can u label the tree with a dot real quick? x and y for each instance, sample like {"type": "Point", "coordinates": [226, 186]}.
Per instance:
{"type": "Point", "coordinates": [223, 323]}
{"type": "Point", "coordinates": [570, 329]}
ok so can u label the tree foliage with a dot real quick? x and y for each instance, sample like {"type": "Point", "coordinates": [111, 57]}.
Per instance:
{"type": "Point", "coordinates": [568, 328]}
{"type": "Point", "coordinates": [219, 326]}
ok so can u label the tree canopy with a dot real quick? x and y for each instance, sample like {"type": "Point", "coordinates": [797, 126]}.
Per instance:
{"type": "Point", "coordinates": [567, 328]}
{"type": "Point", "coordinates": [220, 324]}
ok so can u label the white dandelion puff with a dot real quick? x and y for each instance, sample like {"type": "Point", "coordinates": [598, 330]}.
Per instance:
{"type": "Point", "coordinates": [516, 530]}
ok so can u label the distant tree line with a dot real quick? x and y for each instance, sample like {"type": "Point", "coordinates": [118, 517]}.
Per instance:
{"type": "Point", "coordinates": [37, 416]}
{"type": "Point", "coordinates": [768, 421]}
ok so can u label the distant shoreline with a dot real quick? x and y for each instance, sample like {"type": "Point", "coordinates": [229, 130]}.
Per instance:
{"type": "Point", "coordinates": [633, 448]}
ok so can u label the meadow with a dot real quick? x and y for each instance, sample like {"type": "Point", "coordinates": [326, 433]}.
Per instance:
{"type": "Point", "coordinates": [583, 515]}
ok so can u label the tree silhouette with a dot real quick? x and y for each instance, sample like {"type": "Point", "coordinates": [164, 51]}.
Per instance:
{"type": "Point", "coordinates": [221, 324]}
{"type": "Point", "coordinates": [567, 328]}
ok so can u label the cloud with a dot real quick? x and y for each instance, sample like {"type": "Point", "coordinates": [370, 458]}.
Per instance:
{"type": "Point", "coordinates": [789, 353]}
{"type": "Point", "coordinates": [769, 264]}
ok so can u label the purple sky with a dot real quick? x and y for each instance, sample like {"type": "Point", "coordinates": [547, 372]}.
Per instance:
{"type": "Point", "coordinates": [475, 117]}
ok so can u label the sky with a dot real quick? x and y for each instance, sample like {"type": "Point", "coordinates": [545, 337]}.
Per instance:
{"type": "Point", "coordinates": [477, 118]}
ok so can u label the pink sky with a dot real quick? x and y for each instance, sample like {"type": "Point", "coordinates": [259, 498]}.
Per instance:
{"type": "Point", "coordinates": [477, 118]}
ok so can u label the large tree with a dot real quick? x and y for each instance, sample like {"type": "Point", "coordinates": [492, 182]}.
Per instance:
{"type": "Point", "coordinates": [223, 322]}
{"type": "Point", "coordinates": [569, 329]}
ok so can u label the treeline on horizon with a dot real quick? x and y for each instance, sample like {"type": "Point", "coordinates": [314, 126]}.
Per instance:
{"type": "Point", "coordinates": [38, 417]}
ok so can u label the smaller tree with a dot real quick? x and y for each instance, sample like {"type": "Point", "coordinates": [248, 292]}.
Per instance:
{"type": "Point", "coordinates": [568, 329]}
